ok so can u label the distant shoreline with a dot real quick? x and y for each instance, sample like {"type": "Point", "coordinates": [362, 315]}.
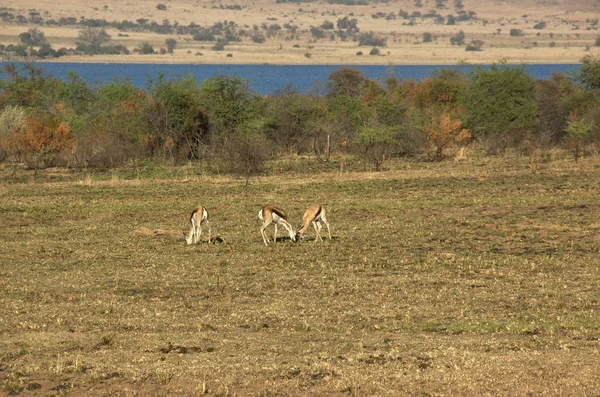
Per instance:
{"type": "Point", "coordinates": [228, 61]}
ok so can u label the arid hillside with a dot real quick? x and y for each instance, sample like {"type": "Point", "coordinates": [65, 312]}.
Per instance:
{"type": "Point", "coordinates": [311, 31]}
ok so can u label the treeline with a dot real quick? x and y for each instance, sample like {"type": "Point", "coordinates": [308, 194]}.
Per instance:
{"type": "Point", "coordinates": [222, 125]}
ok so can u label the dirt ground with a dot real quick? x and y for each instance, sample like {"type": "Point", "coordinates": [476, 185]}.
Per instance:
{"type": "Point", "coordinates": [470, 278]}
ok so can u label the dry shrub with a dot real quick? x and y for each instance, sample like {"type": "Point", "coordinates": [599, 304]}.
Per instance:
{"type": "Point", "coordinates": [443, 132]}
{"type": "Point", "coordinates": [243, 155]}
{"type": "Point", "coordinates": [41, 144]}
{"type": "Point", "coordinates": [101, 150]}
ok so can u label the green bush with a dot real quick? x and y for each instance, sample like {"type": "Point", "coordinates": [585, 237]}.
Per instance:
{"type": "Point", "coordinates": [516, 32]}
{"type": "Point", "coordinates": [146, 49]}
{"type": "Point", "coordinates": [371, 40]}
{"type": "Point", "coordinates": [501, 105]}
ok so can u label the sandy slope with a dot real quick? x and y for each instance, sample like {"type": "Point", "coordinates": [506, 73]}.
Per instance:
{"type": "Point", "coordinates": [570, 32]}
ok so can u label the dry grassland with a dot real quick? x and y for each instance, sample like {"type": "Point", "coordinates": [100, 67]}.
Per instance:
{"type": "Point", "coordinates": [459, 278]}
{"type": "Point", "coordinates": [569, 35]}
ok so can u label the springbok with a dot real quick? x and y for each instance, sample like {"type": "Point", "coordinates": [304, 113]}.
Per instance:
{"type": "Point", "coordinates": [198, 218]}
{"type": "Point", "coordinates": [315, 214]}
{"type": "Point", "coordinates": [273, 215]}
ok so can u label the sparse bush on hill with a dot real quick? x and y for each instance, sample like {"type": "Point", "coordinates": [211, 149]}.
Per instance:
{"type": "Point", "coordinates": [349, 26]}
{"type": "Point", "coordinates": [204, 35]}
{"type": "Point", "coordinates": [33, 37]}
{"type": "Point", "coordinates": [371, 40]}
{"type": "Point", "coordinates": [474, 45]}
{"type": "Point", "coordinates": [327, 25]}
{"type": "Point", "coordinates": [458, 39]}
{"type": "Point", "coordinates": [350, 2]}
{"type": "Point", "coordinates": [171, 45]}
{"type": "Point", "coordinates": [94, 23]}
{"type": "Point", "coordinates": [317, 33]}
{"type": "Point", "coordinates": [145, 49]}
{"type": "Point", "coordinates": [219, 45]}
{"type": "Point", "coordinates": [91, 40]}
{"type": "Point", "coordinates": [516, 32]}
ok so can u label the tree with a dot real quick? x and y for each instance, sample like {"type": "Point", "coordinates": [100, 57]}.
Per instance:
{"type": "Point", "coordinates": [458, 39]}
{"type": "Point", "coordinates": [346, 81]}
{"type": "Point", "coordinates": [369, 39]}
{"type": "Point", "coordinates": [375, 144]}
{"type": "Point", "coordinates": [29, 89]}
{"type": "Point", "coordinates": [475, 45]}
{"type": "Point", "coordinates": [577, 130]}
{"type": "Point", "coordinates": [516, 32]}
{"type": "Point", "coordinates": [146, 49]}
{"type": "Point", "coordinates": [171, 44]}
{"type": "Point", "coordinates": [500, 105]}
{"type": "Point", "coordinates": [93, 36]}
{"type": "Point", "coordinates": [228, 102]}
{"type": "Point", "coordinates": [295, 121]}
{"type": "Point", "coordinates": [350, 26]}
{"type": "Point", "coordinates": [178, 123]}
{"type": "Point", "coordinates": [237, 129]}
{"type": "Point", "coordinates": [345, 116]}
{"type": "Point", "coordinates": [317, 33]}
{"type": "Point", "coordinates": [33, 37]}
{"type": "Point", "coordinates": [327, 25]}
{"type": "Point", "coordinates": [589, 72]}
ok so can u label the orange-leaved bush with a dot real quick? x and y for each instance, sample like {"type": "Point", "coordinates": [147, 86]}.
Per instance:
{"type": "Point", "coordinates": [443, 132]}
{"type": "Point", "coordinates": [41, 144]}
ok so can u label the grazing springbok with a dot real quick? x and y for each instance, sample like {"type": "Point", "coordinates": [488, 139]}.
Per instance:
{"type": "Point", "coordinates": [273, 215]}
{"type": "Point", "coordinates": [198, 218]}
{"type": "Point", "coordinates": [315, 214]}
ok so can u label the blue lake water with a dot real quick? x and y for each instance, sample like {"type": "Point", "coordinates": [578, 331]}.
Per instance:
{"type": "Point", "coordinates": [263, 79]}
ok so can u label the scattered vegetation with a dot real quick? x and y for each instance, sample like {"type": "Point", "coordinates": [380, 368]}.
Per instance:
{"type": "Point", "coordinates": [458, 39]}
{"type": "Point", "coordinates": [222, 124]}
{"type": "Point", "coordinates": [33, 44]}
{"type": "Point", "coordinates": [474, 45]}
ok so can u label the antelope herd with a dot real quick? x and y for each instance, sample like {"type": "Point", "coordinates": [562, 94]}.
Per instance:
{"type": "Point", "coordinates": [315, 214]}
